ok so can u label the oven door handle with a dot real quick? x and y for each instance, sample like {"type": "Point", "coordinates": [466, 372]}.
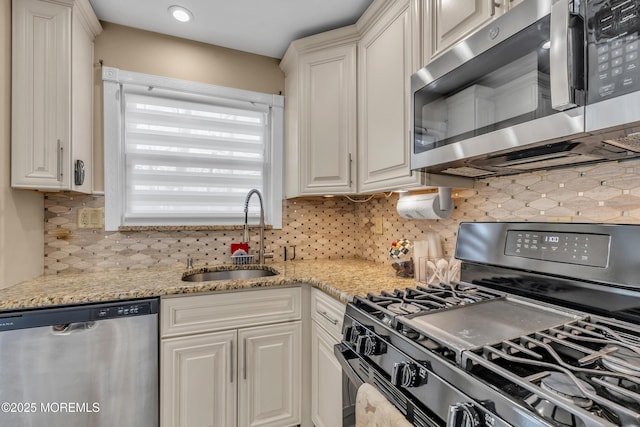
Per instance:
{"type": "Point", "coordinates": [343, 353]}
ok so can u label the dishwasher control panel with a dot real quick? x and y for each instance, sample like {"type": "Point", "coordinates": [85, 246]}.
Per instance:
{"type": "Point", "coordinates": [57, 316]}
{"type": "Point", "coordinates": [124, 310]}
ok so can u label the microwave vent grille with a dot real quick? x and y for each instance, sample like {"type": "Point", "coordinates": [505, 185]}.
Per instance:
{"type": "Point", "coordinates": [630, 142]}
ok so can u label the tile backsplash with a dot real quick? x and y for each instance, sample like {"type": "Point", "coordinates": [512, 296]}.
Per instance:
{"type": "Point", "coordinates": [339, 228]}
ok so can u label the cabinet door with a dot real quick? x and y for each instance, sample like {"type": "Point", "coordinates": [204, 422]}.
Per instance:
{"type": "Point", "coordinates": [513, 3]}
{"type": "Point", "coordinates": [270, 372]}
{"type": "Point", "coordinates": [453, 20]}
{"type": "Point", "coordinates": [41, 82]}
{"type": "Point", "coordinates": [386, 61]}
{"type": "Point", "coordinates": [327, 120]}
{"type": "Point", "coordinates": [82, 103]}
{"type": "Point", "coordinates": [326, 380]}
{"type": "Point", "coordinates": [198, 381]}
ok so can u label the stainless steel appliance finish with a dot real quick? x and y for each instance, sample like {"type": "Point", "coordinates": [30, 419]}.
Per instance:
{"type": "Point", "coordinates": [529, 337]}
{"type": "Point", "coordinates": [91, 365]}
{"type": "Point", "coordinates": [552, 83]}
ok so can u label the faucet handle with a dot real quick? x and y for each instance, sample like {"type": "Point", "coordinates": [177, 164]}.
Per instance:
{"type": "Point", "coordinates": [189, 263]}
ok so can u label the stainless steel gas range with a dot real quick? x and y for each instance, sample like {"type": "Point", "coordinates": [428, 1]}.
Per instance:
{"type": "Point", "coordinates": [543, 329]}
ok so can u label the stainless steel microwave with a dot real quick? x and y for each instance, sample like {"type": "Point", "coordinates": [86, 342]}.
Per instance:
{"type": "Point", "coordinates": [551, 83]}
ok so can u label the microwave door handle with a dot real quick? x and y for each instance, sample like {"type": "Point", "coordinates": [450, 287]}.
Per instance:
{"type": "Point", "coordinates": [561, 90]}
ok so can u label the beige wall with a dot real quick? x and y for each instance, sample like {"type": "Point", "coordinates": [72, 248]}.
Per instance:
{"type": "Point", "coordinates": [21, 212]}
{"type": "Point", "coordinates": [152, 53]}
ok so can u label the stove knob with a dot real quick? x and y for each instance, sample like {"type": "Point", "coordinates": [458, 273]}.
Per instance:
{"type": "Point", "coordinates": [463, 415]}
{"type": "Point", "coordinates": [353, 333]}
{"type": "Point", "coordinates": [405, 374]}
{"type": "Point", "coordinates": [369, 345]}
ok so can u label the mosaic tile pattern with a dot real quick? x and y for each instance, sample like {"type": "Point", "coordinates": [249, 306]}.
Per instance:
{"type": "Point", "coordinates": [337, 228]}
{"type": "Point", "coordinates": [310, 225]}
{"type": "Point", "coordinates": [608, 192]}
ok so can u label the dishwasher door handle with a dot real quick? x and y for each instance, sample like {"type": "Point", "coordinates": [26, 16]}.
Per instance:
{"type": "Point", "coordinates": [72, 328]}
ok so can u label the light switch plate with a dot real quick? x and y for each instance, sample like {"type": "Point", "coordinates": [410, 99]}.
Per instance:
{"type": "Point", "coordinates": [91, 218]}
{"type": "Point", "coordinates": [377, 225]}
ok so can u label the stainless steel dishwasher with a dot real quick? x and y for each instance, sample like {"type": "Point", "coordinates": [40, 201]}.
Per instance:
{"type": "Point", "coordinates": [83, 366]}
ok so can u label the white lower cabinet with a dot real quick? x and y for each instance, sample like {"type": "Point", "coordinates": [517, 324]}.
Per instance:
{"type": "Point", "coordinates": [326, 374]}
{"type": "Point", "coordinates": [269, 361]}
{"type": "Point", "coordinates": [326, 381]}
{"type": "Point", "coordinates": [199, 382]}
{"type": "Point", "coordinates": [241, 376]}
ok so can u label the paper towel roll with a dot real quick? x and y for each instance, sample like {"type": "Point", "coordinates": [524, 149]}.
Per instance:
{"type": "Point", "coordinates": [422, 206]}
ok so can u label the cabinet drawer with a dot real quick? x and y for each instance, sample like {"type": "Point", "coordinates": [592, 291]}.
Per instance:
{"type": "Point", "coordinates": [327, 312]}
{"type": "Point", "coordinates": [214, 312]}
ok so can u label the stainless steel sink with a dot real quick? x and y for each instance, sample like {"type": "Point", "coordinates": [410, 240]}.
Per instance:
{"type": "Point", "coordinates": [245, 273]}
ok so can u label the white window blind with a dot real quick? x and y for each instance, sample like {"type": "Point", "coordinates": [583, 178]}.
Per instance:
{"type": "Point", "coordinates": [191, 158]}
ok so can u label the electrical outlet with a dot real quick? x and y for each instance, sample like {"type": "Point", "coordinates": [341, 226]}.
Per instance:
{"type": "Point", "coordinates": [91, 218]}
{"type": "Point", "coordinates": [377, 225]}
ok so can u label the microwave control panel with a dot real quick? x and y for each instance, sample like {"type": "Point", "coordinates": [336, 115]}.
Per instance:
{"type": "Point", "coordinates": [613, 37]}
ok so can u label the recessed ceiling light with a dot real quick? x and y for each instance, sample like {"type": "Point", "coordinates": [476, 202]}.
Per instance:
{"type": "Point", "coordinates": [180, 13]}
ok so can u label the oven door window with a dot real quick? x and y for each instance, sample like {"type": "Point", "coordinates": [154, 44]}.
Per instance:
{"type": "Point", "coordinates": [504, 86]}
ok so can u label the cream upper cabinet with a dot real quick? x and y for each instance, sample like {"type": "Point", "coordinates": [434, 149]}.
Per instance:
{"type": "Point", "coordinates": [388, 54]}
{"type": "Point", "coordinates": [320, 134]}
{"type": "Point", "coordinates": [52, 98]}
{"type": "Point", "coordinates": [447, 22]}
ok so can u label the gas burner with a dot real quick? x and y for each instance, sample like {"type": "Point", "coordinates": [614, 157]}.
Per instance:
{"type": "Point", "coordinates": [566, 389]}
{"type": "Point", "coordinates": [403, 308]}
{"type": "Point", "coordinates": [622, 360]}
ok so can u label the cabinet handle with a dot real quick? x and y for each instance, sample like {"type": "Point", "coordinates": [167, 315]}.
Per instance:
{"type": "Point", "coordinates": [59, 158]}
{"type": "Point", "coordinates": [231, 362]}
{"type": "Point", "coordinates": [326, 316]}
{"type": "Point", "coordinates": [495, 4]}
{"type": "Point", "coordinates": [244, 359]}
{"type": "Point", "coordinates": [350, 164]}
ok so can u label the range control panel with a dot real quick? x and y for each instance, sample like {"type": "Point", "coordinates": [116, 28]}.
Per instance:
{"type": "Point", "coordinates": [571, 248]}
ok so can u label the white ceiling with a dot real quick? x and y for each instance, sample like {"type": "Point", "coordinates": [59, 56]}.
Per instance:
{"type": "Point", "coordinates": [265, 27]}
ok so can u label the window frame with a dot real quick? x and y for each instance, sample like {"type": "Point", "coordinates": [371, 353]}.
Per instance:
{"type": "Point", "coordinates": [114, 159]}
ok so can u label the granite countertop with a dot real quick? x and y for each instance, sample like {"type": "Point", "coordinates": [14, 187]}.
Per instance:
{"type": "Point", "coordinates": [342, 279]}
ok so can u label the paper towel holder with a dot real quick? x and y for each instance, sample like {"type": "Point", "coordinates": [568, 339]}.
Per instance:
{"type": "Point", "coordinates": [426, 206]}
{"type": "Point", "coordinates": [444, 196]}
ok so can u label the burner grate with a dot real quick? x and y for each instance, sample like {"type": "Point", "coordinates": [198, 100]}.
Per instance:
{"type": "Point", "coordinates": [412, 302]}
{"type": "Point", "coordinates": [581, 373]}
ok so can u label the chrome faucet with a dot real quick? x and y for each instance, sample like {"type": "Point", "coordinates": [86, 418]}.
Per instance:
{"type": "Point", "coordinates": [261, 254]}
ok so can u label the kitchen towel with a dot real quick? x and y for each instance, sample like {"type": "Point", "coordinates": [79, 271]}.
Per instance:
{"type": "Point", "coordinates": [374, 410]}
